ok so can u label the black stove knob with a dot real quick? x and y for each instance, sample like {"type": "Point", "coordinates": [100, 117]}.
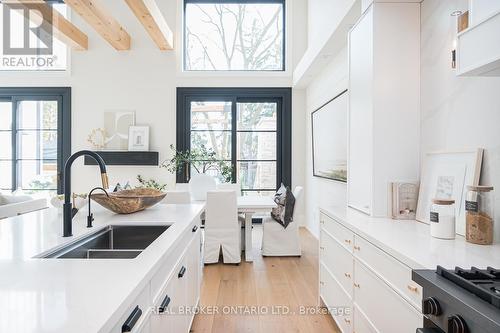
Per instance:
{"type": "Point", "coordinates": [430, 306]}
{"type": "Point", "coordinates": [457, 325]}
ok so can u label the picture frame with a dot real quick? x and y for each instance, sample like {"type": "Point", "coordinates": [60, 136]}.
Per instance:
{"type": "Point", "coordinates": [329, 126]}
{"type": "Point", "coordinates": [138, 138]}
{"type": "Point", "coordinates": [446, 175]}
{"type": "Point", "coordinates": [116, 127]}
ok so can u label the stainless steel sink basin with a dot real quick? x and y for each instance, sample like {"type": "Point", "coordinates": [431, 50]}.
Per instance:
{"type": "Point", "coordinates": [112, 242]}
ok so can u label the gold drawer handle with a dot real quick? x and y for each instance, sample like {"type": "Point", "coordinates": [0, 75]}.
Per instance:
{"type": "Point", "coordinates": [322, 283]}
{"type": "Point", "coordinates": [322, 222]}
{"type": "Point", "coordinates": [321, 247]}
{"type": "Point", "coordinates": [347, 275]}
{"type": "Point", "coordinates": [413, 288]}
{"type": "Point", "coordinates": [348, 321]}
{"type": "Point", "coordinates": [356, 285]}
{"type": "Point", "coordinates": [357, 248]}
{"type": "Point", "coordinates": [348, 241]}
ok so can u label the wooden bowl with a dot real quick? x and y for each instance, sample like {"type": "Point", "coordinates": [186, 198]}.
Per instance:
{"type": "Point", "coordinates": [129, 201]}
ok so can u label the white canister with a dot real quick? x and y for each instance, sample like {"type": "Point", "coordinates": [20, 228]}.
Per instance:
{"type": "Point", "coordinates": [442, 218]}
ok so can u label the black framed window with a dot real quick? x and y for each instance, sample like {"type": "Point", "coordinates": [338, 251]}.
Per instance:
{"type": "Point", "coordinates": [234, 35]}
{"type": "Point", "coordinates": [249, 128]}
{"type": "Point", "coordinates": [35, 136]}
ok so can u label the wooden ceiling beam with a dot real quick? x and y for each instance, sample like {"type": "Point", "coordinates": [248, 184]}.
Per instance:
{"type": "Point", "coordinates": [95, 14]}
{"type": "Point", "coordinates": [62, 29]}
{"type": "Point", "coordinates": [154, 22]}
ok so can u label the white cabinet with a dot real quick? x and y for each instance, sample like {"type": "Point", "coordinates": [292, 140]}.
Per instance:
{"type": "Point", "coordinates": [176, 304]}
{"type": "Point", "coordinates": [478, 48]}
{"type": "Point", "coordinates": [167, 303]}
{"type": "Point", "coordinates": [369, 282]}
{"type": "Point", "coordinates": [387, 310]}
{"type": "Point", "coordinates": [480, 10]}
{"type": "Point", "coordinates": [384, 94]}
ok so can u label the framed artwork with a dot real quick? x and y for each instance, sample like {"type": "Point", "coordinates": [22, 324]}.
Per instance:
{"type": "Point", "coordinates": [116, 127]}
{"type": "Point", "coordinates": [446, 175]}
{"type": "Point", "coordinates": [138, 138]}
{"type": "Point", "coordinates": [329, 138]}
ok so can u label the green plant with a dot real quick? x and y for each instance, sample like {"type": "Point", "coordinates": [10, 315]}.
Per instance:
{"type": "Point", "coordinates": [150, 183]}
{"type": "Point", "coordinates": [201, 159]}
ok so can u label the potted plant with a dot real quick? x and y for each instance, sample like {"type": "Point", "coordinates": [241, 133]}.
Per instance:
{"type": "Point", "coordinates": [202, 161]}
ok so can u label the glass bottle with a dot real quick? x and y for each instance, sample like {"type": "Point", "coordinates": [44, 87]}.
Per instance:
{"type": "Point", "coordinates": [479, 206]}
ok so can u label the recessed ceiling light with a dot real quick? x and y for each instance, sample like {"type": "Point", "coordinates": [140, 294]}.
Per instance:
{"type": "Point", "coordinates": [456, 13]}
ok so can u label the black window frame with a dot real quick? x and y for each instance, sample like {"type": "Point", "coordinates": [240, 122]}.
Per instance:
{"type": "Point", "coordinates": [284, 49]}
{"type": "Point", "coordinates": [63, 97]}
{"type": "Point", "coordinates": [283, 97]}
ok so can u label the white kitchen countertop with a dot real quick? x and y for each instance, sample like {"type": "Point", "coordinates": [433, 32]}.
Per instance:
{"type": "Point", "coordinates": [76, 295]}
{"type": "Point", "coordinates": [410, 241]}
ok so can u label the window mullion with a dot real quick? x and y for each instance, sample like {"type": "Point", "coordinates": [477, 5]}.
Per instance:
{"type": "Point", "coordinates": [15, 106]}
{"type": "Point", "coordinates": [234, 141]}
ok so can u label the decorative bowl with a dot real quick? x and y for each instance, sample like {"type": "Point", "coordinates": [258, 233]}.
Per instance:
{"type": "Point", "coordinates": [129, 201]}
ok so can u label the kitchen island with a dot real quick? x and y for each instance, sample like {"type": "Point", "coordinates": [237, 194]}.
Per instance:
{"type": "Point", "coordinates": [98, 295]}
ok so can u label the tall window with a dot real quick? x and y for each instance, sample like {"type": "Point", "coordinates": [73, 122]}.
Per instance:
{"type": "Point", "coordinates": [249, 128]}
{"type": "Point", "coordinates": [35, 138]}
{"type": "Point", "coordinates": [225, 35]}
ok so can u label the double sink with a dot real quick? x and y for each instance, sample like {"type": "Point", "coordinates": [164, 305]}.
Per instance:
{"type": "Point", "coordinates": [111, 242]}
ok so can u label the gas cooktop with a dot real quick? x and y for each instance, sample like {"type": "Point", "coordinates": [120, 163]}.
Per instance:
{"type": "Point", "coordinates": [484, 283]}
{"type": "Point", "coordinates": [460, 300]}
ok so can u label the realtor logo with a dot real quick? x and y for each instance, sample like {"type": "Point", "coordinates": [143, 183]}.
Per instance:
{"type": "Point", "coordinates": [17, 40]}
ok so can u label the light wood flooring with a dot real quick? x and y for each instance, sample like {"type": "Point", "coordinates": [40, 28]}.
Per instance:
{"type": "Point", "coordinates": [267, 283]}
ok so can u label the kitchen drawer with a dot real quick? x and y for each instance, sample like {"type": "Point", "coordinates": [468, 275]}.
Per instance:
{"type": "Point", "coordinates": [336, 299]}
{"type": "Point", "coordinates": [163, 322]}
{"type": "Point", "coordinates": [361, 323]}
{"type": "Point", "coordinates": [391, 270]}
{"type": "Point", "coordinates": [145, 325]}
{"type": "Point", "coordinates": [338, 260]}
{"type": "Point", "coordinates": [142, 302]}
{"type": "Point", "coordinates": [162, 275]}
{"type": "Point", "coordinates": [343, 235]}
{"type": "Point", "coordinates": [387, 310]}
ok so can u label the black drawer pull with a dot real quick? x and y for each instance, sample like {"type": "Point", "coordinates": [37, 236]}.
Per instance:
{"type": "Point", "coordinates": [164, 304]}
{"type": "Point", "coordinates": [132, 320]}
{"type": "Point", "coordinates": [194, 228]}
{"type": "Point", "coordinates": [182, 272]}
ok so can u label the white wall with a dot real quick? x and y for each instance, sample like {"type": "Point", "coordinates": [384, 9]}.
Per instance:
{"type": "Point", "coordinates": [324, 17]}
{"type": "Point", "coordinates": [319, 191]}
{"type": "Point", "coordinates": [456, 112]}
{"type": "Point", "coordinates": [144, 79]}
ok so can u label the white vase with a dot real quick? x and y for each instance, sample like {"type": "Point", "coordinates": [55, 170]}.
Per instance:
{"type": "Point", "coordinates": [200, 184]}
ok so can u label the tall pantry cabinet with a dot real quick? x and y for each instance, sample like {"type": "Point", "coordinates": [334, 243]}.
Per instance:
{"type": "Point", "coordinates": [384, 94]}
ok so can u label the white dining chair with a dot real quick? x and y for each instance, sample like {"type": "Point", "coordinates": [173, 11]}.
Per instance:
{"type": "Point", "coordinates": [222, 229]}
{"type": "Point", "coordinates": [241, 217]}
{"type": "Point", "coordinates": [177, 197]}
{"type": "Point", "coordinates": [279, 241]}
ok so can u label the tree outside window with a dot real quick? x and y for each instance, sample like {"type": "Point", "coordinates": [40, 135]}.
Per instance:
{"type": "Point", "coordinates": [234, 36]}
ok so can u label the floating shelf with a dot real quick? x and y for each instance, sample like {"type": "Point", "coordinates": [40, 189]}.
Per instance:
{"type": "Point", "coordinates": [143, 158]}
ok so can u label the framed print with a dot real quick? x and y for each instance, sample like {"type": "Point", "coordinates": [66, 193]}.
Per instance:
{"type": "Point", "coordinates": [329, 138]}
{"type": "Point", "coordinates": [138, 138]}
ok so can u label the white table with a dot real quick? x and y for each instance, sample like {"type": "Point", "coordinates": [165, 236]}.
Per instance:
{"type": "Point", "coordinates": [250, 205]}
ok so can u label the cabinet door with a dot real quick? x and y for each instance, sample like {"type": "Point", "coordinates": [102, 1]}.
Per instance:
{"type": "Point", "coordinates": [360, 113]}
{"type": "Point", "coordinates": [193, 274]}
{"type": "Point", "coordinates": [387, 311]}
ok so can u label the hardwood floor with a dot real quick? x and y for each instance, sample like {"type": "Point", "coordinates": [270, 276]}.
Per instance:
{"type": "Point", "coordinates": [250, 291]}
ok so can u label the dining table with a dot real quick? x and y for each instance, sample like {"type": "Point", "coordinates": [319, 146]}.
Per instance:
{"type": "Point", "coordinates": [249, 205]}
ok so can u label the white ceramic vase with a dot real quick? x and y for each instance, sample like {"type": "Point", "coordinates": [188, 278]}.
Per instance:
{"type": "Point", "coordinates": [200, 184]}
